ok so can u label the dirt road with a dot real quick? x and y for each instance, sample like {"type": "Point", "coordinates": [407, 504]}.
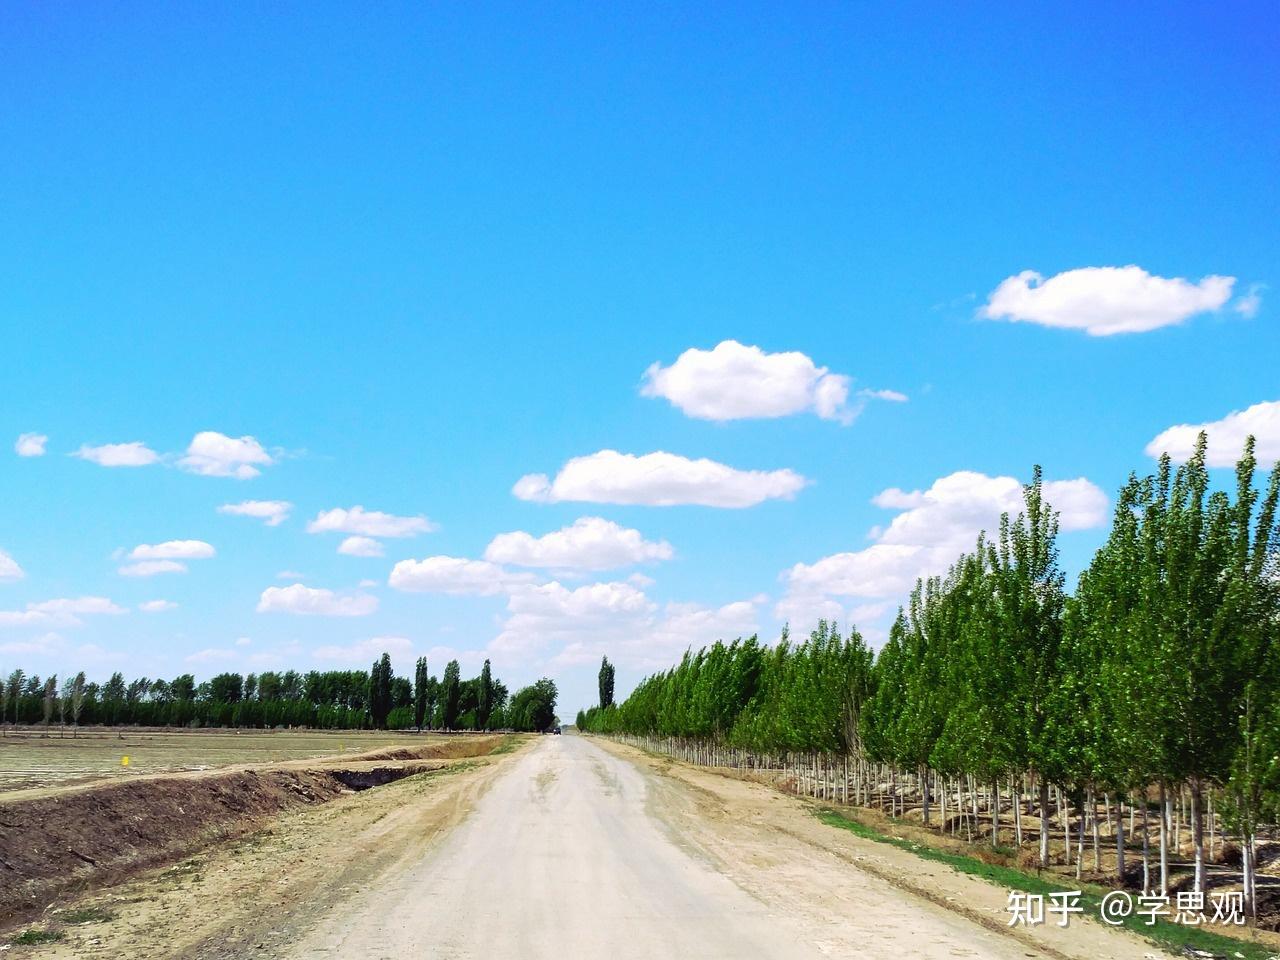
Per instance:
{"type": "Point", "coordinates": [576, 852]}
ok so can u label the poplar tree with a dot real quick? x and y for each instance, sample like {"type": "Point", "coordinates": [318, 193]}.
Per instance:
{"type": "Point", "coordinates": [380, 691]}
{"type": "Point", "coordinates": [420, 692]}
{"type": "Point", "coordinates": [450, 693]}
{"type": "Point", "coordinates": [605, 682]}
{"type": "Point", "coordinates": [50, 698]}
{"type": "Point", "coordinates": [484, 697]}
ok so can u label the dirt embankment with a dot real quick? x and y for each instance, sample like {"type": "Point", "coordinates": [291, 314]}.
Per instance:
{"type": "Point", "coordinates": [82, 838]}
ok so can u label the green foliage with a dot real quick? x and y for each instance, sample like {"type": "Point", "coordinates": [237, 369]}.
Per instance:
{"type": "Point", "coordinates": [605, 682]}
{"type": "Point", "coordinates": [450, 696]}
{"type": "Point", "coordinates": [533, 708]}
{"type": "Point", "coordinates": [380, 695]}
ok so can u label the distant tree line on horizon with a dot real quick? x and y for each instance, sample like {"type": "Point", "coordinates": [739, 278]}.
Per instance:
{"type": "Point", "coordinates": [326, 700]}
{"type": "Point", "coordinates": [1154, 685]}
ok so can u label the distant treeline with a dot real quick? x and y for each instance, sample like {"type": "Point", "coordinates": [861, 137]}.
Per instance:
{"type": "Point", "coordinates": [327, 700]}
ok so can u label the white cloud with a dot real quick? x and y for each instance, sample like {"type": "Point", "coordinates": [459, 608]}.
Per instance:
{"type": "Point", "coordinates": [290, 575]}
{"type": "Point", "coordinates": [617, 619]}
{"type": "Point", "coordinates": [892, 396]}
{"type": "Point", "coordinates": [734, 382]}
{"type": "Point", "coordinates": [271, 512]}
{"type": "Point", "coordinates": [1105, 300]}
{"type": "Point", "coordinates": [135, 454]}
{"type": "Point", "coordinates": [366, 651]}
{"type": "Point", "coordinates": [1226, 436]}
{"type": "Point", "coordinates": [368, 523]}
{"type": "Point", "coordinates": [9, 569]}
{"type": "Point", "coordinates": [30, 445]}
{"type": "Point", "coordinates": [1249, 303]}
{"type": "Point", "coordinates": [157, 606]}
{"type": "Point", "coordinates": [66, 611]}
{"type": "Point", "coordinates": [150, 568]}
{"type": "Point", "coordinates": [173, 550]}
{"type": "Point", "coordinates": [361, 547]}
{"type": "Point", "coordinates": [591, 543]}
{"type": "Point", "coordinates": [310, 601]}
{"type": "Point", "coordinates": [213, 454]}
{"type": "Point", "coordinates": [243, 641]}
{"type": "Point", "coordinates": [211, 655]}
{"type": "Point", "coordinates": [54, 645]}
{"type": "Point", "coordinates": [658, 479]}
{"type": "Point", "coordinates": [933, 528]}
{"type": "Point", "coordinates": [455, 575]}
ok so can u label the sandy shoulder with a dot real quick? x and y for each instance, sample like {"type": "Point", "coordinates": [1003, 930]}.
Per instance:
{"type": "Point", "coordinates": [771, 845]}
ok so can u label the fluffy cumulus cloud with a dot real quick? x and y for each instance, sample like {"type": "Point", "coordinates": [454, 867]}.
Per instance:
{"type": "Point", "coordinates": [1105, 300]}
{"type": "Point", "coordinates": [932, 528]}
{"type": "Point", "coordinates": [577, 626]}
{"type": "Point", "coordinates": [660, 480]}
{"type": "Point", "coordinates": [30, 445]}
{"type": "Point", "coordinates": [65, 611]}
{"type": "Point", "coordinates": [152, 559]}
{"type": "Point", "coordinates": [368, 523]}
{"type": "Point", "coordinates": [590, 543]}
{"type": "Point", "coordinates": [157, 606]}
{"type": "Point", "coordinates": [133, 454]}
{"type": "Point", "coordinates": [270, 512]}
{"type": "Point", "coordinates": [735, 382]}
{"type": "Point", "coordinates": [173, 550]}
{"type": "Point", "coordinates": [455, 575]}
{"type": "Point", "coordinates": [364, 652]}
{"type": "Point", "coordinates": [9, 569]}
{"type": "Point", "coordinates": [1226, 436]}
{"type": "Point", "coordinates": [213, 454]}
{"type": "Point", "coordinates": [152, 568]}
{"type": "Point", "coordinates": [361, 547]}
{"type": "Point", "coordinates": [312, 601]}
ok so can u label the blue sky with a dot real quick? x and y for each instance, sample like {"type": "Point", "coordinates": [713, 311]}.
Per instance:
{"type": "Point", "coordinates": [422, 253]}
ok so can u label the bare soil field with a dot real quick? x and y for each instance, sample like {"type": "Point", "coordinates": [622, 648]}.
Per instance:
{"type": "Point", "coordinates": [54, 841]}
{"type": "Point", "coordinates": [31, 758]}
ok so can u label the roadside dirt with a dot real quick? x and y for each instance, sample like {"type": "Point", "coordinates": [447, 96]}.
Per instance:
{"type": "Point", "coordinates": [71, 840]}
{"type": "Point", "coordinates": [771, 845]}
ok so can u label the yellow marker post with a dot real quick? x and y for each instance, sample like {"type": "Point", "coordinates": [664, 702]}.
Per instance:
{"type": "Point", "coordinates": [124, 761]}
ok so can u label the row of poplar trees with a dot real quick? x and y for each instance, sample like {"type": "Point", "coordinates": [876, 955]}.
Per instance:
{"type": "Point", "coordinates": [1159, 673]}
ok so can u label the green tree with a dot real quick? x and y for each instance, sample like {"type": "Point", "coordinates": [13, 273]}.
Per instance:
{"type": "Point", "coordinates": [450, 693]}
{"type": "Point", "coordinates": [380, 691]}
{"type": "Point", "coordinates": [605, 682]}
{"type": "Point", "coordinates": [420, 692]}
{"type": "Point", "coordinates": [484, 698]}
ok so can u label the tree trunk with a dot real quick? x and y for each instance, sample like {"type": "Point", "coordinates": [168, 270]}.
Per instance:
{"type": "Point", "coordinates": [995, 813]}
{"type": "Point", "coordinates": [924, 792]}
{"type": "Point", "coordinates": [1015, 791]}
{"type": "Point", "coordinates": [1146, 849]}
{"type": "Point", "coordinates": [1119, 842]}
{"type": "Point", "coordinates": [1093, 822]}
{"type": "Point", "coordinates": [1044, 824]}
{"type": "Point", "coordinates": [1197, 830]}
{"type": "Point", "coordinates": [1165, 803]}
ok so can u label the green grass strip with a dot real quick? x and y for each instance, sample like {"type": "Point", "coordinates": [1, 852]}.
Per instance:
{"type": "Point", "coordinates": [1166, 934]}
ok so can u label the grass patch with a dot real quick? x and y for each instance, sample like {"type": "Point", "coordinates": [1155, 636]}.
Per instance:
{"type": "Point", "coordinates": [86, 915]}
{"type": "Point", "coordinates": [1171, 936]}
{"type": "Point", "coordinates": [509, 743]}
{"type": "Point", "coordinates": [33, 937]}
